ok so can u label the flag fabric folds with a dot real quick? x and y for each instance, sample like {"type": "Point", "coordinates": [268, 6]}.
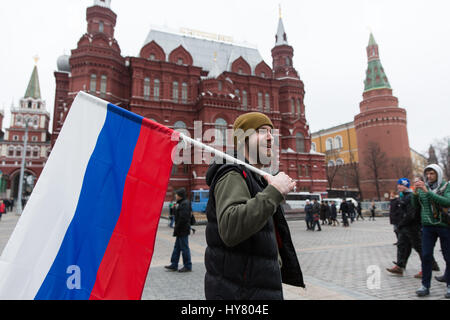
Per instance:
{"type": "Point", "coordinates": [89, 227]}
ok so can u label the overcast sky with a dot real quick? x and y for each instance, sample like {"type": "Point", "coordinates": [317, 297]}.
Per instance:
{"type": "Point", "coordinates": [329, 38]}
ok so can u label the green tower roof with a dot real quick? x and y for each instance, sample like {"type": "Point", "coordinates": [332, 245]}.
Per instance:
{"type": "Point", "coordinates": [375, 76]}
{"type": "Point", "coordinates": [33, 89]}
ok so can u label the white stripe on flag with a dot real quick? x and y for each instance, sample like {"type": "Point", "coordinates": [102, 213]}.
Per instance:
{"type": "Point", "coordinates": [35, 241]}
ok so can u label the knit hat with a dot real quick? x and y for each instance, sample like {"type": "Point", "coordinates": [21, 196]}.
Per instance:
{"type": "Point", "coordinates": [404, 182]}
{"type": "Point", "coordinates": [249, 121]}
{"type": "Point", "coordinates": [181, 192]}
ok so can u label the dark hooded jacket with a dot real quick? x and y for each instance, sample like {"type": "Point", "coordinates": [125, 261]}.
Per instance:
{"type": "Point", "coordinates": [182, 216]}
{"type": "Point", "coordinates": [249, 269]}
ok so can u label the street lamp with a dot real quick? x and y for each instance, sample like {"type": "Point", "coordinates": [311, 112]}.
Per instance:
{"type": "Point", "coordinates": [22, 167]}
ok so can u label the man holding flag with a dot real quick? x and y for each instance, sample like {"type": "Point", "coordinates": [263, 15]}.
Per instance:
{"type": "Point", "coordinates": [250, 251]}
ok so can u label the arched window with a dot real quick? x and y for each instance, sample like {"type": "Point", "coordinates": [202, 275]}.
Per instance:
{"type": "Point", "coordinates": [93, 84]}
{"type": "Point", "coordinates": [19, 120]}
{"type": "Point", "coordinates": [313, 146]}
{"type": "Point", "coordinates": [179, 125]}
{"type": "Point", "coordinates": [175, 91]}
{"type": "Point", "coordinates": [244, 99]}
{"type": "Point", "coordinates": [338, 142]}
{"type": "Point", "coordinates": [147, 88]}
{"type": "Point", "coordinates": [329, 144]}
{"type": "Point", "coordinates": [292, 106]}
{"type": "Point", "coordinates": [267, 105]}
{"type": "Point", "coordinates": [184, 92]}
{"type": "Point", "coordinates": [36, 152]}
{"type": "Point", "coordinates": [299, 109]}
{"type": "Point", "coordinates": [221, 131]}
{"type": "Point", "coordinates": [339, 162]}
{"type": "Point", "coordinates": [156, 89]}
{"type": "Point", "coordinates": [300, 142]}
{"type": "Point", "coordinates": [260, 101]}
{"type": "Point", "coordinates": [101, 26]}
{"type": "Point", "coordinates": [19, 151]}
{"type": "Point", "coordinates": [103, 83]}
{"type": "Point", "coordinates": [330, 163]}
{"type": "Point", "coordinates": [11, 151]}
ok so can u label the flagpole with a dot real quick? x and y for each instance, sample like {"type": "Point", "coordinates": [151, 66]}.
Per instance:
{"type": "Point", "coordinates": [223, 155]}
{"type": "Point", "coordinates": [197, 143]}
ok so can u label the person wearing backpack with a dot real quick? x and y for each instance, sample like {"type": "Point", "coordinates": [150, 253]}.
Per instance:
{"type": "Point", "coordinates": [432, 196]}
{"type": "Point", "coordinates": [181, 231]}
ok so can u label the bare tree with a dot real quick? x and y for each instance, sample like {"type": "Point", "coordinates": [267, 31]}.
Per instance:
{"type": "Point", "coordinates": [332, 170]}
{"type": "Point", "coordinates": [402, 167]}
{"type": "Point", "coordinates": [442, 148]}
{"type": "Point", "coordinates": [375, 160]}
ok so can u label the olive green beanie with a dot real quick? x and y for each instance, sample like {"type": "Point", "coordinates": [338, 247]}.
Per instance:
{"type": "Point", "coordinates": [249, 121]}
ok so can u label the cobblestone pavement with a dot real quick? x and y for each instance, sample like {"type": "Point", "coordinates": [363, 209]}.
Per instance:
{"type": "Point", "coordinates": [337, 263]}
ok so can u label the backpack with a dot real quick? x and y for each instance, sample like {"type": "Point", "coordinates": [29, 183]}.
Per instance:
{"type": "Point", "coordinates": [444, 212]}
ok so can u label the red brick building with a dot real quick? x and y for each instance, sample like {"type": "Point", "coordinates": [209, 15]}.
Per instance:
{"type": "Point", "coordinates": [179, 78]}
{"type": "Point", "coordinates": [381, 130]}
{"type": "Point", "coordinates": [32, 111]}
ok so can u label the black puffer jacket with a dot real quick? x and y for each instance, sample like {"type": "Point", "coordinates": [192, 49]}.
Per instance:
{"type": "Point", "coordinates": [249, 270]}
{"type": "Point", "coordinates": [182, 218]}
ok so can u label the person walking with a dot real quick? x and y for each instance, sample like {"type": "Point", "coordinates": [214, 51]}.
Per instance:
{"type": "Point", "coordinates": [333, 213]}
{"type": "Point", "coordinates": [316, 215]}
{"type": "Point", "coordinates": [372, 211]}
{"type": "Point", "coordinates": [359, 210]}
{"type": "Point", "coordinates": [249, 251]}
{"type": "Point", "coordinates": [408, 226]}
{"type": "Point", "coordinates": [181, 232]}
{"type": "Point", "coordinates": [308, 215]}
{"type": "Point", "coordinates": [351, 210]}
{"type": "Point", "coordinates": [343, 208]}
{"type": "Point", "coordinates": [432, 196]}
{"type": "Point", "coordinates": [323, 212]}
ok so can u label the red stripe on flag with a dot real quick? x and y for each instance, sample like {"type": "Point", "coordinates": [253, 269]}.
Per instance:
{"type": "Point", "coordinates": [124, 267]}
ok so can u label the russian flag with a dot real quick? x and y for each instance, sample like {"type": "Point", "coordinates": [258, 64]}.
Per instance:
{"type": "Point", "coordinates": [88, 230]}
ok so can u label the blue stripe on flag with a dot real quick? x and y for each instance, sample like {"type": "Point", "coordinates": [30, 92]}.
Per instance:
{"type": "Point", "coordinates": [98, 209]}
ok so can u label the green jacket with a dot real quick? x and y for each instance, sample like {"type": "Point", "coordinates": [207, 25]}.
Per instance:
{"type": "Point", "coordinates": [428, 202]}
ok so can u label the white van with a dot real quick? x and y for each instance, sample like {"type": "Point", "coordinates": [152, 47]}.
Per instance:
{"type": "Point", "coordinates": [296, 201]}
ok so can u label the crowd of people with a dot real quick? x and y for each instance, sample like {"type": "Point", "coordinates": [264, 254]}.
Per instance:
{"type": "Point", "coordinates": [6, 205]}
{"type": "Point", "coordinates": [327, 213]}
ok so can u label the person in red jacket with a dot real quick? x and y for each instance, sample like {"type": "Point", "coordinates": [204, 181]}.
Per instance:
{"type": "Point", "coordinates": [2, 208]}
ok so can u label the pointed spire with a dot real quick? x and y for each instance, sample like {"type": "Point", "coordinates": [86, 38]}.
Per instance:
{"type": "Point", "coordinates": [33, 89]}
{"type": "Point", "coordinates": [375, 76]}
{"type": "Point", "coordinates": [280, 38]}
{"type": "Point", "coordinates": [372, 41]}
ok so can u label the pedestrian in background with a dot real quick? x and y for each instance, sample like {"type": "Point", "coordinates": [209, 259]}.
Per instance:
{"type": "Point", "coordinates": [2, 208]}
{"type": "Point", "coordinates": [181, 232]}
{"type": "Point", "coordinates": [343, 208]}
{"type": "Point", "coordinates": [309, 215]}
{"type": "Point", "coordinates": [351, 210]}
{"type": "Point", "coordinates": [323, 212]}
{"type": "Point", "coordinates": [372, 211]}
{"type": "Point", "coordinates": [316, 215]}
{"type": "Point", "coordinates": [172, 206]}
{"type": "Point", "coordinates": [359, 210]}
{"type": "Point", "coordinates": [333, 213]}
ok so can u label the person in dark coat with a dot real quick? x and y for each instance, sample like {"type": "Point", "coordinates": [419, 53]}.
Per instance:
{"type": "Point", "coordinates": [323, 212]}
{"type": "Point", "coordinates": [343, 208]}
{"type": "Point", "coordinates": [308, 215]}
{"type": "Point", "coordinates": [359, 210]}
{"type": "Point", "coordinates": [333, 213]}
{"type": "Point", "coordinates": [351, 210]}
{"type": "Point", "coordinates": [316, 215]}
{"type": "Point", "coordinates": [181, 232]}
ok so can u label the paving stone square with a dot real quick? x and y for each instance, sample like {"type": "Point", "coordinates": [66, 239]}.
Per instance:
{"type": "Point", "coordinates": [338, 264]}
